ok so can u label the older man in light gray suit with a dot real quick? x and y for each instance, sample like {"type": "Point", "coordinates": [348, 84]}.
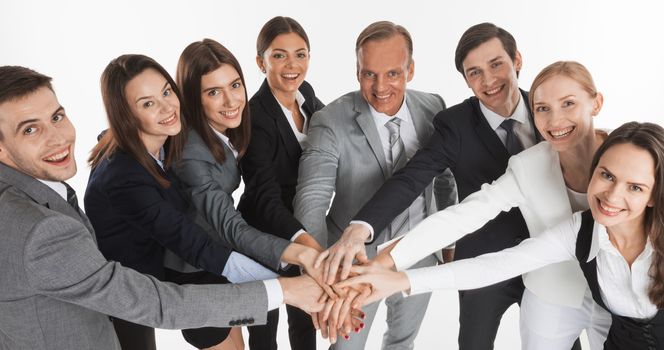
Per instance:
{"type": "Point", "coordinates": [354, 145]}
{"type": "Point", "coordinates": [57, 287]}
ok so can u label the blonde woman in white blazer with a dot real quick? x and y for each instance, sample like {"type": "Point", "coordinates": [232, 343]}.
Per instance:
{"type": "Point", "coordinates": [548, 183]}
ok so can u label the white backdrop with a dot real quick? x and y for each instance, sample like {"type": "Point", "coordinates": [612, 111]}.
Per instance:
{"type": "Point", "coordinates": [620, 43]}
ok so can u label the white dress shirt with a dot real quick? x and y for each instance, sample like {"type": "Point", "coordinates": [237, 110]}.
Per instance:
{"type": "Point", "coordinates": [300, 136]}
{"type": "Point", "coordinates": [624, 290]}
{"type": "Point", "coordinates": [408, 134]}
{"type": "Point", "coordinates": [523, 128]}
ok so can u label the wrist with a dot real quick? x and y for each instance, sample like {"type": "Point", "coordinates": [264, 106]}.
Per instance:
{"type": "Point", "coordinates": [359, 232]}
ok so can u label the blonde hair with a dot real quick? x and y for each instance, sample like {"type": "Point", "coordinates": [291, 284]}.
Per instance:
{"type": "Point", "coordinates": [571, 69]}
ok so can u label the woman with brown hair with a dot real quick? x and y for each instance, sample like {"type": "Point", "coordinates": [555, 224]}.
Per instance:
{"type": "Point", "coordinates": [280, 113]}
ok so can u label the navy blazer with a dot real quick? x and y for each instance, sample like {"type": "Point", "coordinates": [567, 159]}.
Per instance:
{"type": "Point", "coordinates": [270, 165]}
{"type": "Point", "coordinates": [136, 220]}
{"type": "Point", "coordinates": [464, 141]}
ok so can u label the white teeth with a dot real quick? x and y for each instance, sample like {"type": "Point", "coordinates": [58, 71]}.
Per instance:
{"type": "Point", "coordinates": [609, 209]}
{"type": "Point", "coordinates": [166, 121]}
{"type": "Point", "coordinates": [57, 157]}
{"type": "Point", "coordinates": [290, 75]}
{"type": "Point", "coordinates": [561, 132]}
{"type": "Point", "coordinates": [230, 113]}
{"type": "Point", "coordinates": [494, 91]}
{"type": "Point", "coordinates": [382, 97]}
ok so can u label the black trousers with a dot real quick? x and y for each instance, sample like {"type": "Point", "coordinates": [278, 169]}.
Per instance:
{"type": "Point", "coordinates": [301, 331]}
{"type": "Point", "coordinates": [480, 311]}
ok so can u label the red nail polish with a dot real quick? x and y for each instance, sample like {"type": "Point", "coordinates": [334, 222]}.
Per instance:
{"type": "Point", "coordinates": [361, 325]}
{"type": "Point", "coordinates": [346, 337]}
{"type": "Point", "coordinates": [357, 329]}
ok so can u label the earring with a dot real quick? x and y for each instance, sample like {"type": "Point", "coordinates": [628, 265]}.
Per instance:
{"type": "Point", "coordinates": [264, 71]}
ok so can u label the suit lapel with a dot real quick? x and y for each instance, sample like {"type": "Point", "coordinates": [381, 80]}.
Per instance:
{"type": "Point", "coordinates": [423, 127]}
{"type": "Point", "coordinates": [368, 126]}
{"type": "Point", "coordinates": [273, 109]}
{"type": "Point", "coordinates": [487, 135]}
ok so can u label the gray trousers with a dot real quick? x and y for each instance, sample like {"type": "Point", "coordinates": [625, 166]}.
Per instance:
{"type": "Point", "coordinates": [404, 317]}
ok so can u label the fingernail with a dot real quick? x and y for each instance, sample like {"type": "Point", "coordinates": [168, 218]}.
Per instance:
{"type": "Point", "coordinates": [346, 337]}
{"type": "Point", "coordinates": [361, 325]}
{"type": "Point", "coordinates": [357, 329]}
{"type": "Point", "coordinates": [364, 316]}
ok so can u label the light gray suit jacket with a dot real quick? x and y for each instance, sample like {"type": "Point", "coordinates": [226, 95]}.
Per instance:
{"type": "Point", "coordinates": [57, 287]}
{"type": "Point", "coordinates": [209, 185]}
{"type": "Point", "coordinates": [343, 155]}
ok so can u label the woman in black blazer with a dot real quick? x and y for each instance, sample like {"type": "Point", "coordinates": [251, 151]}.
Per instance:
{"type": "Point", "coordinates": [133, 202]}
{"type": "Point", "coordinates": [280, 112]}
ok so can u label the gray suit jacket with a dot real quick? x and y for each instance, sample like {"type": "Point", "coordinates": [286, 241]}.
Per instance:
{"type": "Point", "coordinates": [344, 156]}
{"type": "Point", "coordinates": [57, 287]}
{"type": "Point", "coordinates": [209, 185]}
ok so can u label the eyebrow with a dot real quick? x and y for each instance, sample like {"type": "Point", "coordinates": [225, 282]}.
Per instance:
{"type": "Point", "coordinates": [284, 50]}
{"type": "Point", "coordinates": [238, 79]}
{"type": "Point", "coordinates": [33, 120]}
{"type": "Point", "coordinates": [631, 183]}
{"type": "Point", "coordinates": [144, 97]}
{"type": "Point", "coordinates": [490, 61]}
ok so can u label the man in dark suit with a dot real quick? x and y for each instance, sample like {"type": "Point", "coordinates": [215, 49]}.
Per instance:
{"type": "Point", "coordinates": [57, 287]}
{"type": "Point", "coordinates": [474, 139]}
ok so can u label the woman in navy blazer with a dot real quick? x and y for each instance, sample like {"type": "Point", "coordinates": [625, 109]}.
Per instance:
{"type": "Point", "coordinates": [133, 201]}
{"type": "Point", "coordinates": [280, 112]}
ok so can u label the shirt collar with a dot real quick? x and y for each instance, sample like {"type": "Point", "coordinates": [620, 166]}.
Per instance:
{"type": "Point", "coordinates": [299, 98]}
{"type": "Point", "coordinates": [225, 140]}
{"type": "Point", "coordinates": [601, 241]}
{"type": "Point", "coordinates": [160, 161]}
{"type": "Point", "coordinates": [56, 186]}
{"type": "Point", "coordinates": [381, 118]}
{"type": "Point", "coordinates": [520, 114]}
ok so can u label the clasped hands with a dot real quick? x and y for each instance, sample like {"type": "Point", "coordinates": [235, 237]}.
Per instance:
{"type": "Point", "coordinates": [348, 287]}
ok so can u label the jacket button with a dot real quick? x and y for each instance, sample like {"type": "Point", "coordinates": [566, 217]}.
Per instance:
{"type": "Point", "coordinates": [250, 320]}
{"type": "Point", "coordinates": [232, 323]}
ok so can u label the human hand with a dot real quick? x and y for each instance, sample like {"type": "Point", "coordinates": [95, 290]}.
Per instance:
{"type": "Point", "coordinates": [350, 246]}
{"type": "Point", "coordinates": [302, 292]}
{"type": "Point", "coordinates": [384, 282]}
{"type": "Point", "coordinates": [330, 323]}
{"type": "Point", "coordinates": [305, 257]}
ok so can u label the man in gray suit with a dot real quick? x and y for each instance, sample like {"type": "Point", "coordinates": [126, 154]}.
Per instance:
{"type": "Point", "coordinates": [57, 287]}
{"type": "Point", "coordinates": [355, 144]}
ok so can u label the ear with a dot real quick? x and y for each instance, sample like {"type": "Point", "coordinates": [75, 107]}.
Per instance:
{"type": "Point", "coordinates": [597, 105]}
{"type": "Point", "coordinates": [517, 61]}
{"type": "Point", "coordinates": [260, 63]}
{"type": "Point", "coordinates": [411, 70]}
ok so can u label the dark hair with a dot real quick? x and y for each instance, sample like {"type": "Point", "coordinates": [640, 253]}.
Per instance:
{"type": "Point", "coordinates": [384, 30]}
{"type": "Point", "coordinates": [17, 82]}
{"type": "Point", "coordinates": [198, 59]}
{"type": "Point", "coordinates": [650, 137]}
{"type": "Point", "coordinates": [124, 127]}
{"type": "Point", "coordinates": [478, 35]}
{"type": "Point", "coordinates": [275, 27]}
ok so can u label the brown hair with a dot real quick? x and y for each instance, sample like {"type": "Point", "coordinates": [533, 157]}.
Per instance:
{"type": "Point", "coordinates": [198, 59]}
{"type": "Point", "coordinates": [571, 69]}
{"type": "Point", "coordinates": [384, 30]}
{"type": "Point", "coordinates": [275, 27]}
{"type": "Point", "coordinates": [649, 137]}
{"type": "Point", "coordinates": [124, 127]}
{"type": "Point", "coordinates": [17, 82]}
{"type": "Point", "coordinates": [478, 35]}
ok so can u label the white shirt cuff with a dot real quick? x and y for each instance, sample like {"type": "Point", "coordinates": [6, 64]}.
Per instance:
{"type": "Point", "coordinates": [275, 296]}
{"type": "Point", "coordinates": [369, 227]}
{"type": "Point", "coordinates": [421, 281]}
{"type": "Point", "coordinates": [297, 234]}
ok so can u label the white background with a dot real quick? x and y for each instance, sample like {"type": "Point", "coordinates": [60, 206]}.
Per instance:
{"type": "Point", "coordinates": [619, 42]}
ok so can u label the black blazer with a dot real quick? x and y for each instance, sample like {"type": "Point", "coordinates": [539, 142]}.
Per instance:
{"type": "Point", "coordinates": [136, 220]}
{"type": "Point", "coordinates": [463, 141]}
{"type": "Point", "coordinates": [270, 165]}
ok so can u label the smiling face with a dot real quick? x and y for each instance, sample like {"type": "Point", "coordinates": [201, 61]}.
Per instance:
{"type": "Point", "coordinates": [152, 101]}
{"type": "Point", "coordinates": [38, 138]}
{"type": "Point", "coordinates": [285, 62]}
{"type": "Point", "coordinates": [564, 111]}
{"type": "Point", "coordinates": [384, 69]}
{"type": "Point", "coordinates": [621, 186]}
{"type": "Point", "coordinates": [223, 98]}
{"type": "Point", "coordinates": [491, 74]}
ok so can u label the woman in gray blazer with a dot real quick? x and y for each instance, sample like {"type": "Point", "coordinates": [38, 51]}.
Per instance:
{"type": "Point", "coordinates": [214, 100]}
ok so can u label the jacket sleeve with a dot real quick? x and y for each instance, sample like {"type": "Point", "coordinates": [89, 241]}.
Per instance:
{"type": "Point", "coordinates": [137, 200]}
{"type": "Point", "coordinates": [210, 199]}
{"type": "Point", "coordinates": [61, 261]}
{"type": "Point", "coordinates": [317, 177]}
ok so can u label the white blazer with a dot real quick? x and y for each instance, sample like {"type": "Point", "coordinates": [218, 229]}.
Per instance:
{"type": "Point", "coordinates": [533, 182]}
